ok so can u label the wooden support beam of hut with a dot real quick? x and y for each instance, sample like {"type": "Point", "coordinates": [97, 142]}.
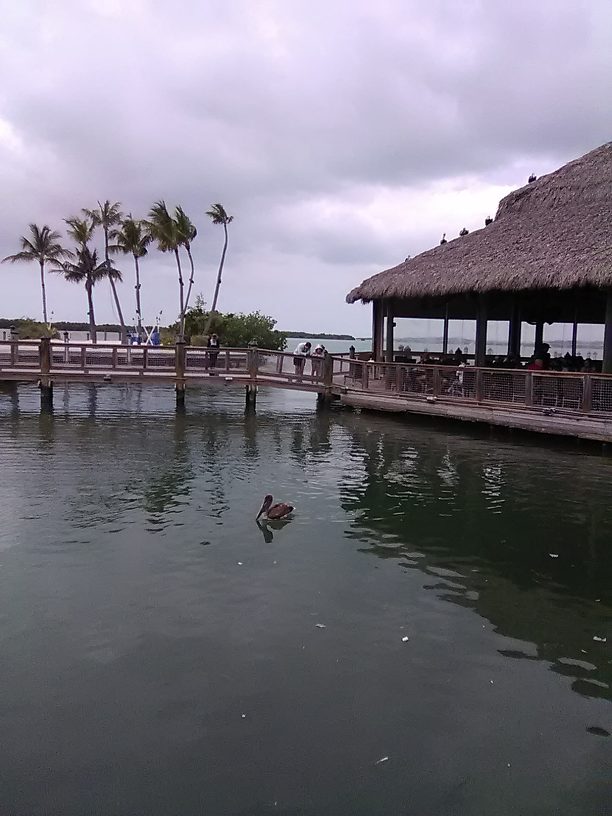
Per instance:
{"type": "Point", "coordinates": [445, 332]}
{"type": "Point", "coordinates": [607, 344]}
{"type": "Point", "coordinates": [481, 334]}
{"type": "Point", "coordinates": [514, 332]}
{"type": "Point", "coordinates": [390, 325]}
{"type": "Point", "coordinates": [539, 334]}
{"type": "Point", "coordinates": [377, 328]}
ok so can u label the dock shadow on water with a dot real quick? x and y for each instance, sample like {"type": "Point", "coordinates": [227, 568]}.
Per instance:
{"type": "Point", "coordinates": [430, 634]}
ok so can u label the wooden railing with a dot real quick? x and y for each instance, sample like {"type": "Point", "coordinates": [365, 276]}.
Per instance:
{"type": "Point", "coordinates": [579, 393]}
{"type": "Point", "coordinates": [575, 393]}
{"type": "Point", "coordinates": [180, 361]}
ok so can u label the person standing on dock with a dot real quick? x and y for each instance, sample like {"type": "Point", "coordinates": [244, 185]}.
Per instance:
{"type": "Point", "coordinates": [302, 350]}
{"type": "Point", "coordinates": [317, 360]}
{"type": "Point", "coordinates": [213, 350]}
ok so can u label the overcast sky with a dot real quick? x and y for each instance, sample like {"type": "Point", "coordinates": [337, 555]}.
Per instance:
{"type": "Point", "coordinates": [343, 135]}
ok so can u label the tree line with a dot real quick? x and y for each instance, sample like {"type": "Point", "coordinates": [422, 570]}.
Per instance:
{"type": "Point", "coordinates": [172, 232]}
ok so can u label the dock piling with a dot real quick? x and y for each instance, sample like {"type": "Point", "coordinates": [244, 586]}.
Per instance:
{"type": "Point", "coordinates": [180, 359]}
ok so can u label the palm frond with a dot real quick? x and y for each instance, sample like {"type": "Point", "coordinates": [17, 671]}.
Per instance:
{"type": "Point", "coordinates": [42, 245]}
{"type": "Point", "coordinates": [185, 228]}
{"type": "Point", "coordinates": [219, 215]}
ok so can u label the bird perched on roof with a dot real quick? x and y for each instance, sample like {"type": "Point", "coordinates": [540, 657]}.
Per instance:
{"type": "Point", "coordinates": [532, 178]}
{"type": "Point", "coordinates": [463, 232]}
{"type": "Point", "coordinates": [443, 239]}
{"type": "Point", "coordinates": [274, 512]}
{"type": "Point", "coordinates": [488, 220]}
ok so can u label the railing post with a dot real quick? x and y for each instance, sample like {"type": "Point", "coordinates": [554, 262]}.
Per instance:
{"type": "Point", "coordinates": [436, 382]}
{"type": "Point", "coordinates": [478, 385]}
{"type": "Point", "coordinates": [145, 357]}
{"type": "Point", "coordinates": [328, 370]}
{"type": "Point", "coordinates": [587, 394]}
{"type": "Point", "coordinates": [528, 388]}
{"type": "Point", "coordinates": [398, 378]}
{"type": "Point", "coordinates": [252, 363]}
{"type": "Point", "coordinates": [114, 357]}
{"type": "Point", "coordinates": [14, 352]}
{"type": "Point", "coordinates": [179, 366]}
{"type": "Point", "coordinates": [44, 353]}
{"type": "Point", "coordinates": [365, 376]}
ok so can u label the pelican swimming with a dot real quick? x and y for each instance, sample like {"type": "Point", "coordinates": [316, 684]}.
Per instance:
{"type": "Point", "coordinates": [274, 512]}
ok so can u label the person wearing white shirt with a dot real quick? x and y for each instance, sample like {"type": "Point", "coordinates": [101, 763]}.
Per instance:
{"type": "Point", "coordinates": [302, 350]}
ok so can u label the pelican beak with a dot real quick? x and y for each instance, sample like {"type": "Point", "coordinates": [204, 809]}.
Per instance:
{"type": "Point", "coordinates": [261, 509]}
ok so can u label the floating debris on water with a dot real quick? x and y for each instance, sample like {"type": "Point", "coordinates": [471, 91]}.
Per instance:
{"type": "Point", "coordinates": [600, 639]}
{"type": "Point", "coordinates": [405, 639]}
{"type": "Point", "coordinates": [599, 732]}
{"type": "Point", "coordinates": [381, 760]}
{"type": "Point", "coordinates": [320, 626]}
{"type": "Point", "coordinates": [554, 555]}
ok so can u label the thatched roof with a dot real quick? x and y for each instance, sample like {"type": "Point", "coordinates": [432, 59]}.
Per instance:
{"type": "Point", "coordinates": [555, 233]}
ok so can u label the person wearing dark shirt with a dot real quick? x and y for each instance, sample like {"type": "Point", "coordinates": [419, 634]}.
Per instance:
{"type": "Point", "coordinates": [213, 350]}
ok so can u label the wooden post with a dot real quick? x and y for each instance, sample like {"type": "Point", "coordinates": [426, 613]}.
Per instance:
{"type": "Point", "coordinates": [14, 352]}
{"type": "Point", "coordinates": [539, 335]}
{"type": "Point", "coordinates": [390, 325]}
{"type": "Point", "coordinates": [587, 394]}
{"type": "Point", "coordinates": [377, 329]}
{"type": "Point", "coordinates": [46, 385]}
{"type": "Point", "coordinates": [574, 337]}
{"type": "Point", "coordinates": [252, 363]}
{"type": "Point", "coordinates": [436, 382]}
{"type": "Point", "coordinates": [478, 386]}
{"type": "Point", "coordinates": [250, 397]}
{"type": "Point", "coordinates": [481, 333]}
{"type": "Point", "coordinates": [528, 388]}
{"type": "Point", "coordinates": [445, 332]}
{"type": "Point", "coordinates": [179, 363]}
{"type": "Point", "coordinates": [607, 345]}
{"type": "Point", "coordinates": [514, 332]}
{"type": "Point", "coordinates": [365, 376]}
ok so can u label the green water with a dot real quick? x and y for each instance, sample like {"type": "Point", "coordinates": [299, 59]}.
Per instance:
{"type": "Point", "coordinates": [161, 653]}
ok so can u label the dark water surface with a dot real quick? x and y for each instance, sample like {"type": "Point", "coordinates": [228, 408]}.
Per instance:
{"type": "Point", "coordinates": [161, 655]}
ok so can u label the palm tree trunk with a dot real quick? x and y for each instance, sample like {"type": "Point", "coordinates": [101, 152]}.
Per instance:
{"type": "Point", "coordinates": [43, 290]}
{"type": "Point", "coordinates": [137, 287]}
{"type": "Point", "coordinates": [188, 248]}
{"type": "Point", "coordinates": [114, 288]}
{"type": "Point", "coordinates": [92, 318]}
{"type": "Point", "coordinates": [218, 284]}
{"type": "Point", "coordinates": [181, 295]}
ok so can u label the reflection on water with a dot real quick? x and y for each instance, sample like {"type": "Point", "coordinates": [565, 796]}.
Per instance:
{"type": "Point", "coordinates": [440, 598]}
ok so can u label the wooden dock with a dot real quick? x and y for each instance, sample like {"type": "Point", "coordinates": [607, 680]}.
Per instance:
{"type": "Point", "coordinates": [566, 404]}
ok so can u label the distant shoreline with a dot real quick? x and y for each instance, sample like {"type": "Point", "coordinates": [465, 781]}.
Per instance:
{"type": "Point", "coordinates": [319, 335]}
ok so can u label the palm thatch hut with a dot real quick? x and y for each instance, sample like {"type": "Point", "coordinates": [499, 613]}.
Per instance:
{"type": "Point", "coordinates": [546, 257]}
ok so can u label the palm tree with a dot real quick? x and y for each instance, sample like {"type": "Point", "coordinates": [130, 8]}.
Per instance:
{"type": "Point", "coordinates": [42, 246]}
{"type": "Point", "coordinates": [107, 216]}
{"type": "Point", "coordinates": [87, 270]}
{"type": "Point", "coordinates": [81, 230]}
{"type": "Point", "coordinates": [132, 239]}
{"type": "Point", "coordinates": [219, 216]}
{"type": "Point", "coordinates": [187, 233]}
{"type": "Point", "coordinates": [164, 230]}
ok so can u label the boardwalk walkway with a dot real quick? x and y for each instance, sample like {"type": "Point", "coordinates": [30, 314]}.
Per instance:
{"type": "Point", "coordinates": [568, 404]}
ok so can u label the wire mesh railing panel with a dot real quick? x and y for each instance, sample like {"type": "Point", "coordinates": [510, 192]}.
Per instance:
{"type": "Point", "coordinates": [97, 358]}
{"type": "Point", "coordinates": [557, 391]}
{"type": "Point", "coordinates": [503, 386]}
{"type": "Point", "coordinates": [161, 360]}
{"type": "Point", "coordinates": [601, 395]}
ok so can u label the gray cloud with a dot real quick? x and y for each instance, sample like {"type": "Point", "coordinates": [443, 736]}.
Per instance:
{"type": "Point", "coordinates": [336, 132]}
